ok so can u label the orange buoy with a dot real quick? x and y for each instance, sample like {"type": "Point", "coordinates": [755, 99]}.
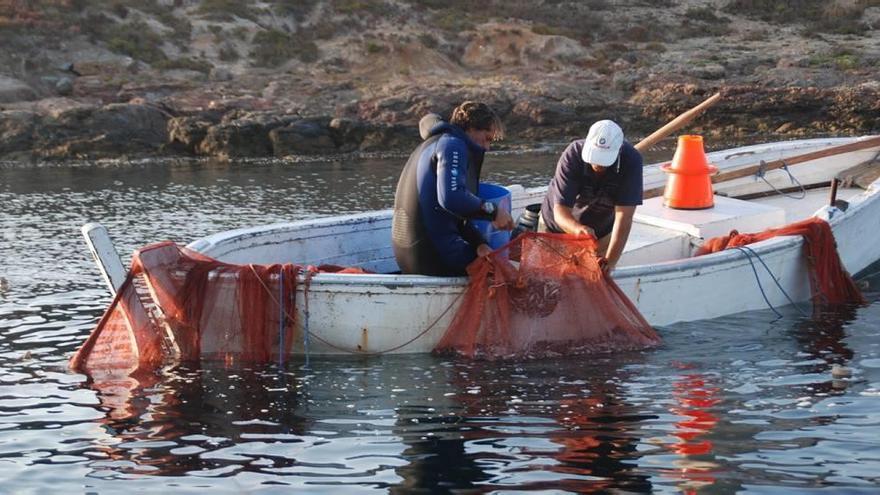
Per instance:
{"type": "Point", "coordinates": [689, 185]}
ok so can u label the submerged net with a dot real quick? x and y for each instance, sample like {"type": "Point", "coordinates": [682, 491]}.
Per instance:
{"type": "Point", "coordinates": [829, 281]}
{"type": "Point", "coordinates": [177, 305]}
{"type": "Point", "coordinates": [544, 295]}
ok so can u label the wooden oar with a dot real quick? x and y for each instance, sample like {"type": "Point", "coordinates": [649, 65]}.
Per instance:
{"type": "Point", "coordinates": [794, 160]}
{"type": "Point", "coordinates": [676, 123]}
{"type": "Point", "coordinates": [782, 162]}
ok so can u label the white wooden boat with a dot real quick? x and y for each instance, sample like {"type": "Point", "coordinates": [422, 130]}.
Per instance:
{"type": "Point", "coordinates": [386, 312]}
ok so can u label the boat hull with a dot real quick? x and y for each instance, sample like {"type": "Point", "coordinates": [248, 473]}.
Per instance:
{"type": "Point", "coordinates": [372, 314]}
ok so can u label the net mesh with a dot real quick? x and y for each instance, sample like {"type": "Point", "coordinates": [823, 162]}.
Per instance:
{"type": "Point", "coordinates": [829, 281]}
{"type": "Point", "coordinates": [178, 305]}
{"type": "Point", "coordinates": [544, 295]}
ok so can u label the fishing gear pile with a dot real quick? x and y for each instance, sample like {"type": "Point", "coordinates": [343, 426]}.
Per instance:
{"type": "Point", "coordinates": [177, 305]}
{"type": "Point", "coordinates": [829, 281]}
{"type": "Point", "coordinates": [544, 295]}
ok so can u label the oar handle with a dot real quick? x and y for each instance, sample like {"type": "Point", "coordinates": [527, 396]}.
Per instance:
{"type": "Point", "coordinates": [676, 123]}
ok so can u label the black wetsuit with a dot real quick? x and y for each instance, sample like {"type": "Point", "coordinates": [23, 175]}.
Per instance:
{"type": "Point", "coordinates": [436, 196]}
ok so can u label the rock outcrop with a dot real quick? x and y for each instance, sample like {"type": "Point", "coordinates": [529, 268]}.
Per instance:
{"type": "Point", "coordinates": [85, 80]}
{"type": "Point", "coordinates": [12, 90]}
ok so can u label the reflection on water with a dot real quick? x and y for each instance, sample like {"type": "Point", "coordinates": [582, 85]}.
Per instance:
{"type": "Point", "coordinates": [744, 403]}
{"type": "Point", "coordinates": [411, 423]}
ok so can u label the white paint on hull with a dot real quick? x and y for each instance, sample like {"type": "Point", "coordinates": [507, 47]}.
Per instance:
{"type": "Point", "coordinates": [105, 255]}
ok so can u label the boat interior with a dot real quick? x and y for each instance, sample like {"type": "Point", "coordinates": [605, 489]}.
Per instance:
{"type": "Point", "coordinates": [751, 203]}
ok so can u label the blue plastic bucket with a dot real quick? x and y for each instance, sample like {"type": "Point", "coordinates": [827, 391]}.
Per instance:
{"type": "Point", "coordinates": [500, 196]}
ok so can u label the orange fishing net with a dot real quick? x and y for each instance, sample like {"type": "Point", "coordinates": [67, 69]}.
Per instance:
{"type": "Point", "coordinates": [829, 281]}
{"type": "Point", "coordinates": [553, 299]}
{"type": "Point", "coordinates": [178, 305]}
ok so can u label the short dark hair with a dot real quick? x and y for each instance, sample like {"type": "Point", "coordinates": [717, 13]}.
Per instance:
{"type": "Point", "coordinates": [477, 115]}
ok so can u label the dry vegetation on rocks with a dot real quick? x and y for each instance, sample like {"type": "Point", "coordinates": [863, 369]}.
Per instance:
{"type": "Point", "coordinates": [284, 77]}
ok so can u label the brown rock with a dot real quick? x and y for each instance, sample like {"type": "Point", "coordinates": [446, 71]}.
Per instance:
{"type": "Point", "coordinates": [347, 133]}
{"type": "Point", "coordinates": [12, 90]}
{"type": "Point", "coordinates": [243, 134]}
{"type": "Point", "coordinates": [784, 128]}
{"type": "Point", "coordinates": [106, 131]}
{"type": "Point", "coordinates": [54, 107]}
{"type": "Point", "coordinates": [17, 130]}
{"type": "Point", "coordinates": [540, 112]}
{"type": "Point", "coordinates": [187, 133]}
{"type": "Point", "coordinates": [393, 137]}
{"type": "Point", "coordinates": [304, 137]}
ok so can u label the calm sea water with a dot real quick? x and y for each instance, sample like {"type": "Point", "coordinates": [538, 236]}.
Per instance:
{"type": "Point", "coordinates": [742, 404]}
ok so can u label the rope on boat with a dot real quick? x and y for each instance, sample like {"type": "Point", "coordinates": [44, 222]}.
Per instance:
{"type": "Point", "coordinates": [760, 175]}
{"type": "Point", "coordinates": [307, 333]}
{"type": "Point", "coordinates": [281, 317]}
{"type": "Point", "coordinates": [306, 341]}
{"type": "Point", "coordinates": [749, 252]}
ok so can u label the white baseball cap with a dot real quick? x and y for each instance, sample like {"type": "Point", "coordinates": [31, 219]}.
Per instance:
{"type": "Point", "coordinates": [603, 143]}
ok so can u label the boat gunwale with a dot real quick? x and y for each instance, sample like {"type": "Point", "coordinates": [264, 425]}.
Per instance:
{"type": "Point", "coordinates": [685, 266]}
{"type": "Point", "coordinates": [235, 235]}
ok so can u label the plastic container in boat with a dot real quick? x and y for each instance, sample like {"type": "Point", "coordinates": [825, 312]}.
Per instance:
{"type": "Point", "coordinates": [527, 221]}
{"type": "Point", "coordinates": [500, 196]}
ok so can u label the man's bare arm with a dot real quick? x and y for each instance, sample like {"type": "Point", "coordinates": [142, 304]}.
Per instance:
{"type": "Point", "coordinates": [623, 220]}
{"type": "Point", "coordinates": [565, 220]}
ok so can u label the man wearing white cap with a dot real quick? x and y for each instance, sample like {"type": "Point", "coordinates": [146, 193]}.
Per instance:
{"type": "Point", "coordinates": [595, 190]}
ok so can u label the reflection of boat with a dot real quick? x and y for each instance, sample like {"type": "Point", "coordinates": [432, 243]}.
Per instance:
{"type": "Point", "coordinates": [410, 424]}
{"type": "Point", "coordinates": [381, 312]}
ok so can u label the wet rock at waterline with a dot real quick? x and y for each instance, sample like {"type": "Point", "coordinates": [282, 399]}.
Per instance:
{"type": "Point", "coordinates": [302, 138]}
{"type": "Point", "coordinates": [72, 128]}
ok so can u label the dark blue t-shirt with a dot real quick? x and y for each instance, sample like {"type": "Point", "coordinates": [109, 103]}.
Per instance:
{"type": "Point", "coordinates": [591, 196]}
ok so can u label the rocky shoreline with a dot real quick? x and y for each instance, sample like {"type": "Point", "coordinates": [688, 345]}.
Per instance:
{"type": "Point", "coordinates": [363, 90]}
{"type": "Point", "coordinates": [67, 128]}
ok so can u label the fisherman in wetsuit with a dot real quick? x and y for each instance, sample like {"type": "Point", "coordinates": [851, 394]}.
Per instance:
{"type": "Point", "coordinates": [595, 190]}
{"type": "Point", "coordinates": [436, 197]}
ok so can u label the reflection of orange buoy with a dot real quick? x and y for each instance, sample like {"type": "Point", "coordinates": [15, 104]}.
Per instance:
{"type": "Point", "coordinates": [695, 397]}
{"type": "Point", "coordinates": [695, 448]}
{"type": "Point", "coordinates": [699, 423]}
{"type": "Point", "coordinates": [689, 186]}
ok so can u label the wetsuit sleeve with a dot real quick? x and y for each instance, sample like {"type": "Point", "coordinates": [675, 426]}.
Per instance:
{"type": "Point", "coordinates": [630, 192]}
{"type": "Point", "coordinates": [566, 182]}
{"type": "Point", "coordinates": [452, 191]}
{"type": "Point", "coordinates": [471, 235]}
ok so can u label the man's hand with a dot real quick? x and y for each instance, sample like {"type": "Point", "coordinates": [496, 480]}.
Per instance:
{"type": "Point", "coordinates": [623, 220]}
{"type": "Point", "coordinates": [584, 230]}
{"type": "Point", "coordinates": [483, 250]}
{"type": "Point", "coordinates": [568, 224]}
{"type": "Point", "coordinates": [503, 220]}
{"type": "Point", "coordinates": [606, 267]}
{"type": "Point", "coordinates": [609, 267]}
